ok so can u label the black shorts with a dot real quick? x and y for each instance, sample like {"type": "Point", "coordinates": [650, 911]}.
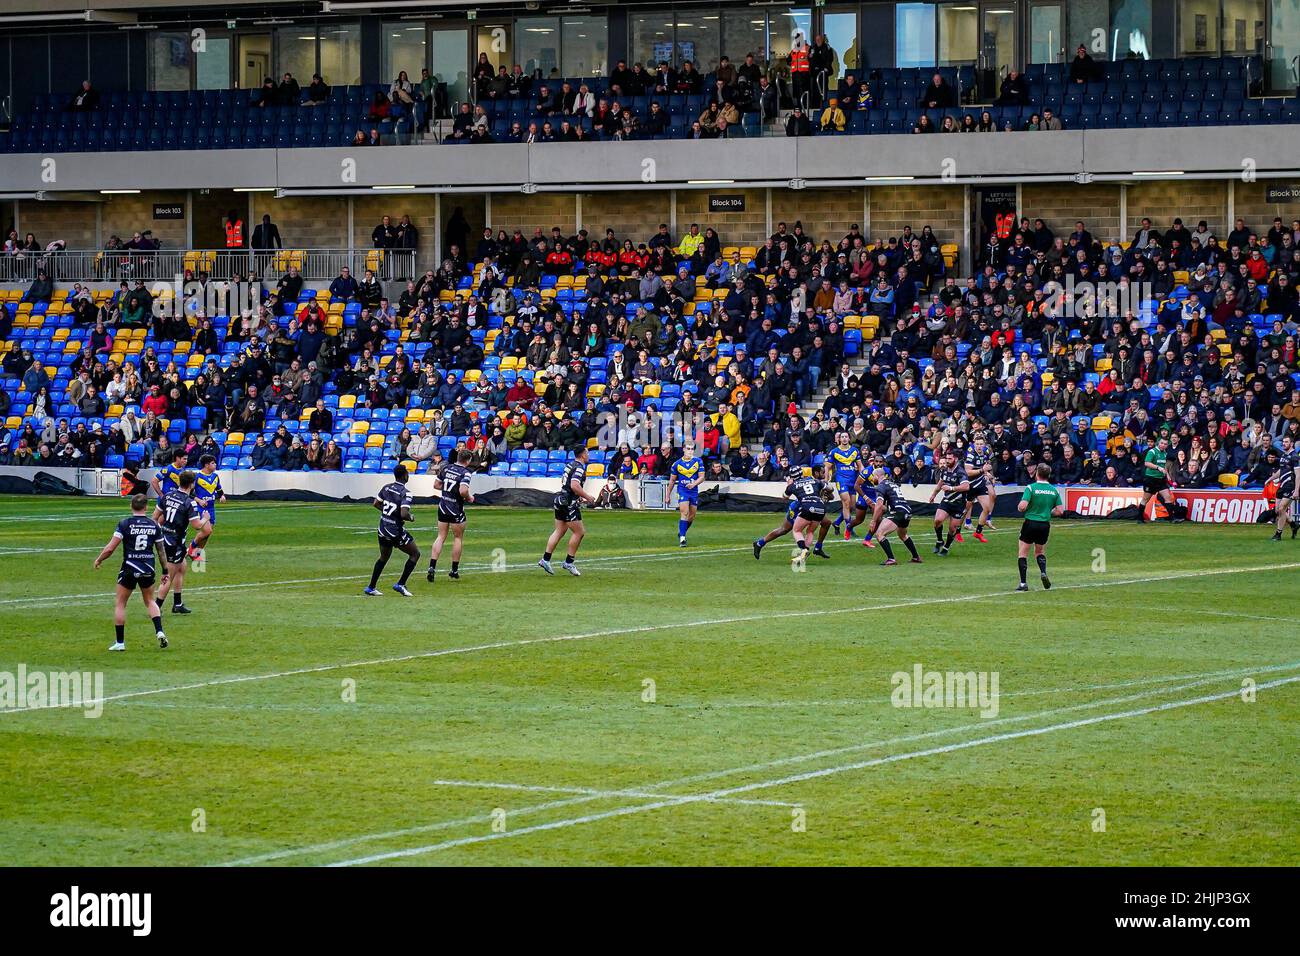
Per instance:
{"type": "Point", "coordinates": [566, 510]}
{"type": "Point", "coordinates": [132, 579]}
{"type": "Point", "coordinates": [1035, 532]}
{"type": "Point", "coordinates": [401, 541]}
{"type": "Point", "coordinates": [1286, 487]}
{"type": "Point", "coordinates": [1153, 486]}
{"type": "Point", "coordinates": [900, 518]}
{"type": "Point", "coordinates": [978, 489]}
{"type": "Point", "coordinates": [954, 505]}
{"type": "Point", "coordinates": [812, 510]}
{"type": "Point", "coordinates": [174, 549]}
{"type": "Point", "coordinates": [451, 515]}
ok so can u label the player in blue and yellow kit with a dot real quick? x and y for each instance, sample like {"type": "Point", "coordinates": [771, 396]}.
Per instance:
{"type": "Point", "coordinates": [687, 474]}
{"type": "Point", "coordinates": [207, 492]}
{"type": "Point", "coordinates": [846, 460]}
{"type": "Point", "coordinates": [167, 478]}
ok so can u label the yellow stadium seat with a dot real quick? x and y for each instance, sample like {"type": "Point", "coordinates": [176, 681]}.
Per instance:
{"type": "Point", "coordinates": [360, 428]}
{"type": "Point", "coordinates": [181, 348]}
{"type": "Point", "coordinates": [1101, 423]}
{"type": "Point", "coordinates": [347, 401]}
{"type": "Point", "coordinates": [473, 375]}
{"type": "Point", "coordinates": [1048, 378]}
{"type": "Point", "coordinates": [409, 464]}
{"type": "Point", "coordinates": [61, 334]}
{"type": "Point", "coordinates": [580, 282]}
{"type": "Point", "coordinates": [1228, 480]}
{"type": "Point", "coordinates": [374, 441]}
{"type": "Point", "coordinates": [14, 421]}
{"type": "Point", "coordinates": [595, 470]}
{"type": "Point", "coordinates": [1218, 335]}
{"type": "Point", "coordinates": [853, 321]}
{"type": "Point", "coordinates": [235, 438]}
{"type": "Point", "coordinates": [564, 282]}
{"type": "Point", "coordinates": [510, 362]}
{"type": "Point", "coordinates": [1104, 364]}
{"type": "Point", "coordinates": [653, 390]}
{"type": "Point", "coordinates": [415, 415]}
{"type": "Point", "coordinates": [595, 390]}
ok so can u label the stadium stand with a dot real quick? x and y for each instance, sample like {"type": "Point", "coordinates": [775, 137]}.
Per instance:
{"type": "Point", "coordinates": [525, 353]}
{"type": "Point", "coordinates": [1197, 91]}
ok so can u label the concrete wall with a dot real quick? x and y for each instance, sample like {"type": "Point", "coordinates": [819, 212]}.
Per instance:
{"type": "Point", "coordinates": [566, 167]}
{"type": "Point", "coordinates": [1097, 204]}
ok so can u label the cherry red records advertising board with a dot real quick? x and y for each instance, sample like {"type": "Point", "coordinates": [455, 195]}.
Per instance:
{"type": "Point", "coordinates": [1205, 505]}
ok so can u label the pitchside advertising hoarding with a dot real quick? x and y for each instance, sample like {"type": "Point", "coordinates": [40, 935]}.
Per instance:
{"type": "Point", "coordinates": [1206, 505]}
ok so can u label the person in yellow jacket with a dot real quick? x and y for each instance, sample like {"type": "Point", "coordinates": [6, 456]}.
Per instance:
{"type": "Point", "coordinates": [691, 244]}
{"type": "Point", "coordinates": [833, 118]}
{"type": "Point", "coordinates": [729, 425]}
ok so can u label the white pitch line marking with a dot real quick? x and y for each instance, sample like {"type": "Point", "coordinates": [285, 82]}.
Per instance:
{"type": "Point", "coordinates": [592, 792]}
{"type": "Point", "coordinates": [749, 768]}
{"type": "Point", "coordinates": [650, 628]}
{"type": "Point", "coordinates": [800, 778]}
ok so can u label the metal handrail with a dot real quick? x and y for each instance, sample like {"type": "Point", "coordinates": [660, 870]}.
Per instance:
{"type": "Point", "coordinates": [166, 265]}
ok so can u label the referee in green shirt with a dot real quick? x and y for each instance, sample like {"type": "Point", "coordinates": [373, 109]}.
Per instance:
{"type": "Point", "coordinates": [1155, 479]}
{"type": "Point", "coordinates": [1040, 503]}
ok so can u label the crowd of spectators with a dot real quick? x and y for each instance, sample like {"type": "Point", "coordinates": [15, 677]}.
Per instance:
{"type": "Point", "coordinates": [747, 342]}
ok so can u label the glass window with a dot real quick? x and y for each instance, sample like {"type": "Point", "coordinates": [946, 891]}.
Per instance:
{"type": "Point", "coordinates": [404, 49]}
{"type": "Point", "coordinates": [914, 34]}
{"type": "Point", "coordinates": [1082, 19]}
{"type": "Point", "coordinates": [698, 38]}
{"type": "Point", "coordinates": [493, 39]}
{"type": "Point", "coordinates": [537, 44]}
{"type": "Point", "coordinates": [585, 46]}
{"type": "Point", "coordinates": [745, 31]}
{"type": "Point", "coordinates": [958, 33]}
{"type": "Point", "coordinates": [295, 52]}
{"type": "Point", "coordinates": [783, 25]}
{"type": "Point", "coordinates": [169, 59]}
{"type": "Point", "coordinates": [212, 69]}
{"type": "Point", "coordinates": [1285, 45]}
{"type": "Point", "coordinates": [1130, 28]}
{"type": "Point", "coordinates": [652, 38]}
{"type": "Point", "coordinates": [1045, 40]}
{"type": "Point", "coordinates": [1198, 27]}
{"type": "Point", "coordinates": [841, 27]}
{"type": "Point", "coordinates": [447, 56]}
{"type": "Point", "coordinates": [340, 54]}
{"type": "Point", "coordinates": [1243, 27]}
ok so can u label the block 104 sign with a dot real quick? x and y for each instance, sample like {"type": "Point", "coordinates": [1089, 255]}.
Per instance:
{"type": "Point", "coordinates": [727, 203]}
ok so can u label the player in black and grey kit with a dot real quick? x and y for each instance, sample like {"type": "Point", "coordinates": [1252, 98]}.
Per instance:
{"type": "Point", "coordinates": [1287, 460]}
{"type": "Point", "coordinates": [952, 484]}
{"type": "Point", "coordinates": [976, 465]}
{"type": "Point", "coordinates": [568, 514]}
{"type": "Point", "coordinates": [176, 513]}
{"type": "Point", "coordinates": [893, 513]}
{"type": "Point", "coordinates": [140, 538]}
{"type": "Point", "coordinates": [394, 505]}
{"type": "Point", "coordinates": [810, 495]}
{"type": "Point", "coordinates": [451, 513]}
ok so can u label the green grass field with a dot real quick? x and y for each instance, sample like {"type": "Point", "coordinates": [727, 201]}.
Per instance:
{"type": "Point", "coordinates": [502, 719]}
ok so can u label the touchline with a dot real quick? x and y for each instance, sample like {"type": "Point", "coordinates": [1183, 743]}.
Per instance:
{"type": "Point", "coordinates": [75, 909]}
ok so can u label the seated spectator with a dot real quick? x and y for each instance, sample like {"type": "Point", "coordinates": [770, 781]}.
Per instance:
{"type": "Point", "coordinates": [85, 100]}
{"type": "Point", "coordinates": [939, 94]}
{"type": "Point", "coordinates": [318, 92]}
